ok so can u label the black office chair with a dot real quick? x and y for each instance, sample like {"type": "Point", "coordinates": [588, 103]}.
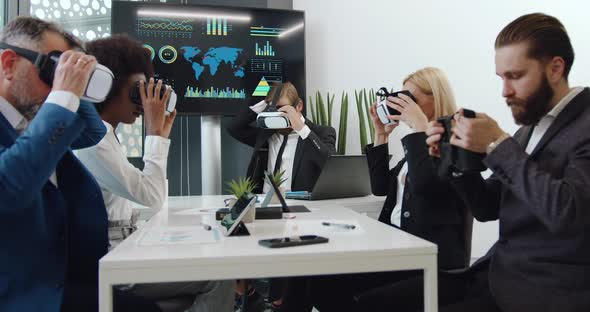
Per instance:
{"type": "Point", "coordinates": [374, 295]}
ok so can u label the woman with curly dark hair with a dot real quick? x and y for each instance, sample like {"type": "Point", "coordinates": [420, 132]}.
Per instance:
{"type": "Point", "coordinates": [122, 183]}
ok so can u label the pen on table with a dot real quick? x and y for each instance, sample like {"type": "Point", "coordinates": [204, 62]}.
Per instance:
{"type": "Point", "coordinates": [208, 210]}
{"type": "Point", "coordinates": [340, 225]}
{"type": "Point", "coordinates": [207, 227]}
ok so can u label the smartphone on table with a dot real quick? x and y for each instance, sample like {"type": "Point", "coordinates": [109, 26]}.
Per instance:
{"type": "Point", "coordinates": [292, 241]}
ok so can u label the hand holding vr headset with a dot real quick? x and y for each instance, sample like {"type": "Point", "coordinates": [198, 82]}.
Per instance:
{"type": "Point", "coordinates": [475, 134]}
{"type": "Point", "coordinates": [409, 112]}
{"type": "Point", "coordinates": [293, 116]}
{"type": "Point", "coordinates": [394, 107]}
{"type": "Point", "coordinates": [461, 140]}
{"type": "Point", "coordinates": [156, 99]}
{"type": "Point", "coordinates": [72, 71]}
{"type": "Point", "coordinates": [170, 103]}
{"type": "Point", "coordinates": [280, 117]}
{"type": "Point", "coordinates": [382, 131]}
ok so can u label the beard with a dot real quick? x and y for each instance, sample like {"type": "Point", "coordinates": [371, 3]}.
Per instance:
{"type": "Point", "coordinates": [530, 110]}
{"type": "Point", "coordinates": [24, 101]}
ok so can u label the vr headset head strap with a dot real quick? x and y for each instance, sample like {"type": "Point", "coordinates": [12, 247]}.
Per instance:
{"type": "Point", "coordinates": [275, 99]}
{"type": "Point", "coordinates": [26, 53]}
{"type": "Point", "coordinates": [383, 92]}
{"type": "Point", "coordinates": [43, 62]}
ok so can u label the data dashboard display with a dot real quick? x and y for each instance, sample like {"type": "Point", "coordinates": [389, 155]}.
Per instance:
{"type": "Point", "coordinates": [217, 59]}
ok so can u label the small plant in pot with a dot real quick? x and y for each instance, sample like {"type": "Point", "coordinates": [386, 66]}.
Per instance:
{"type": "Point", "coordinates": [279, 179]}
{"type": "Point", "coordinates": [242, 189]}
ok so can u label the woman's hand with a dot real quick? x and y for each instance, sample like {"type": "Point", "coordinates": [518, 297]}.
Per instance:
{"type": "Point", "coordinates": [154, 108]}
{"type": "Point", "coordinates": [410, 112]}
{"type": "Point", "coordinates": [382, 131]}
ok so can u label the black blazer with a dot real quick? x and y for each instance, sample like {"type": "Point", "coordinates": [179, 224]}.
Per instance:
{"type": "Point", "coordinates": [310, 154]}
{"type": "Point", "coordinates": [541, 261]}
{"type": "Point", "coordinates": [431, 209]}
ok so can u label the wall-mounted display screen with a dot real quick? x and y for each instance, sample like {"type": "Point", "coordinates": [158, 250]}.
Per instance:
{"type": "Point", "coordinates": [217, 59]}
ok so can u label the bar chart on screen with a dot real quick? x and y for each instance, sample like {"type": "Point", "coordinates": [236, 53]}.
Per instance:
{"type": "Point", "coordinates": [265, 50]}
{"type": "Point", "coordinates": [216, 26]}
{"type": "Point", "coordinates": [227, 93]}
{"type": "Point", "coordinates": [266, 66]}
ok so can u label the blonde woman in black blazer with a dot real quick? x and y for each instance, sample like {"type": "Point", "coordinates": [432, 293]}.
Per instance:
{"type": "Point", "coordinates": [418, 201]}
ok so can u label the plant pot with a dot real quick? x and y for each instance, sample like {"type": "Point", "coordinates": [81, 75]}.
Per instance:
{"type": "Point", "coordinates": [275, 199]}
{"type": "Point", "coordinates": [251, 214]}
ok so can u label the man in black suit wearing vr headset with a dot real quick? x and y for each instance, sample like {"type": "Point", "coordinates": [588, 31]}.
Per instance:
{"type": "Point", "coordinates": [283, 139]}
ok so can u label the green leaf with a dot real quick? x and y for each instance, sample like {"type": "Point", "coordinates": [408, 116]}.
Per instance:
{"type": "Point", "coordinates": [279, 178]}
{"type": "Point", "coordinates": [318, 106]}
{"type": "Point", "coordinates": [362, 126]}
{"type": "Point", "coordinates": [368, 112]}
{"type": "Point", "coordinates": [330, 108]}
{"type": "Point", "coordinates": [313, 119]}
{"type": "Point", "coordinates": [322, 108]}
{"type": "Point", "coordinates": [373, 96]}
{"type": "Point", "coordinates": [241, 186]}
{"type": "Point", "coordinates": [343, 123]}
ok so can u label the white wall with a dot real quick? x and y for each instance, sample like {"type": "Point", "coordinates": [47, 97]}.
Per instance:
{"type": "Point", "coordinates": [374, 43]}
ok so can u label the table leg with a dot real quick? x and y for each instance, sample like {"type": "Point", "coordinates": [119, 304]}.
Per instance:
{"type": "Point", "coordinates": [430, 289]}
{"type": "Point", "coordinates": [105, 295]}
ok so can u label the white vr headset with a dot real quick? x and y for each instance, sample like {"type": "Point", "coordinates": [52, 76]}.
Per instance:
{"type": "Point", "coordinates": [98, 87]}
{"type": "Point", "coordinates": [270, 118]}
{"type": "Point", "coordinates": [99, 84]}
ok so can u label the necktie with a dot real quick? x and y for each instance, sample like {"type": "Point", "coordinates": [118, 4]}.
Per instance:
{"type": "Point", "coordinates": [280, 155]}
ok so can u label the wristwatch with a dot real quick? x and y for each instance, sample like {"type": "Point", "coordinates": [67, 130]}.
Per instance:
{"type": "Point", "coordinates": [490, 148]}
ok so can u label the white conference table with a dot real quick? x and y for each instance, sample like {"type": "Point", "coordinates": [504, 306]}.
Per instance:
{"type": "Point", "coordinates": [370, 247]}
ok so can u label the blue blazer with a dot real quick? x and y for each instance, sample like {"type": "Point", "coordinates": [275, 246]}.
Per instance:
{"type": "Point", "coordinates": [50, 235]}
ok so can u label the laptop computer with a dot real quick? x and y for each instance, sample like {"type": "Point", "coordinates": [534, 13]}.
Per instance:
{"type": "Point", "coordinates": [342, 176]}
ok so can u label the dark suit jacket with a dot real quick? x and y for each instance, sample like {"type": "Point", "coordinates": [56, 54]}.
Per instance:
{"type": "Point", "coordinates": [431, 209]}
{"type": "Point", "coordinates": [310, 154]}
{"type": "Point", "coordinates": [50, 236]}
{"type": "Point", "coordinates": [541, 261]}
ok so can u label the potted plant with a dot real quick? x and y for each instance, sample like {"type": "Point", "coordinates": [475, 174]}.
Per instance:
{"type": "Point", "coordinates": [278, 180]}
{"type": "Point", "coordinates": [242, 189]}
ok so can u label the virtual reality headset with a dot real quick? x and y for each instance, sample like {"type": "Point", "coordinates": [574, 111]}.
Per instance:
{"type": "Point", "coordinates": [99, 84]}
{"type": "Point", "coordinates": [271, 118]}
{"type": "Point", "coordinates": [136, 97]}
{"type": "Point", "coordinates": [454, 159]}
{"type": "Point", "coordinates": [383, 110]}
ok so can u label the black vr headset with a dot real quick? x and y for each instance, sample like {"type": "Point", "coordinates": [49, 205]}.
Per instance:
{"type": "Point", "coordinates": [383, 110]}
{"type": "Point", "coordinates": [271, 118]}
{"type": "Point", "coordinates": [136, 97]}
{"type": "Point", "coordinates": [454, 159]}
{"type": "Point", "coordinates": [99, 84]}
